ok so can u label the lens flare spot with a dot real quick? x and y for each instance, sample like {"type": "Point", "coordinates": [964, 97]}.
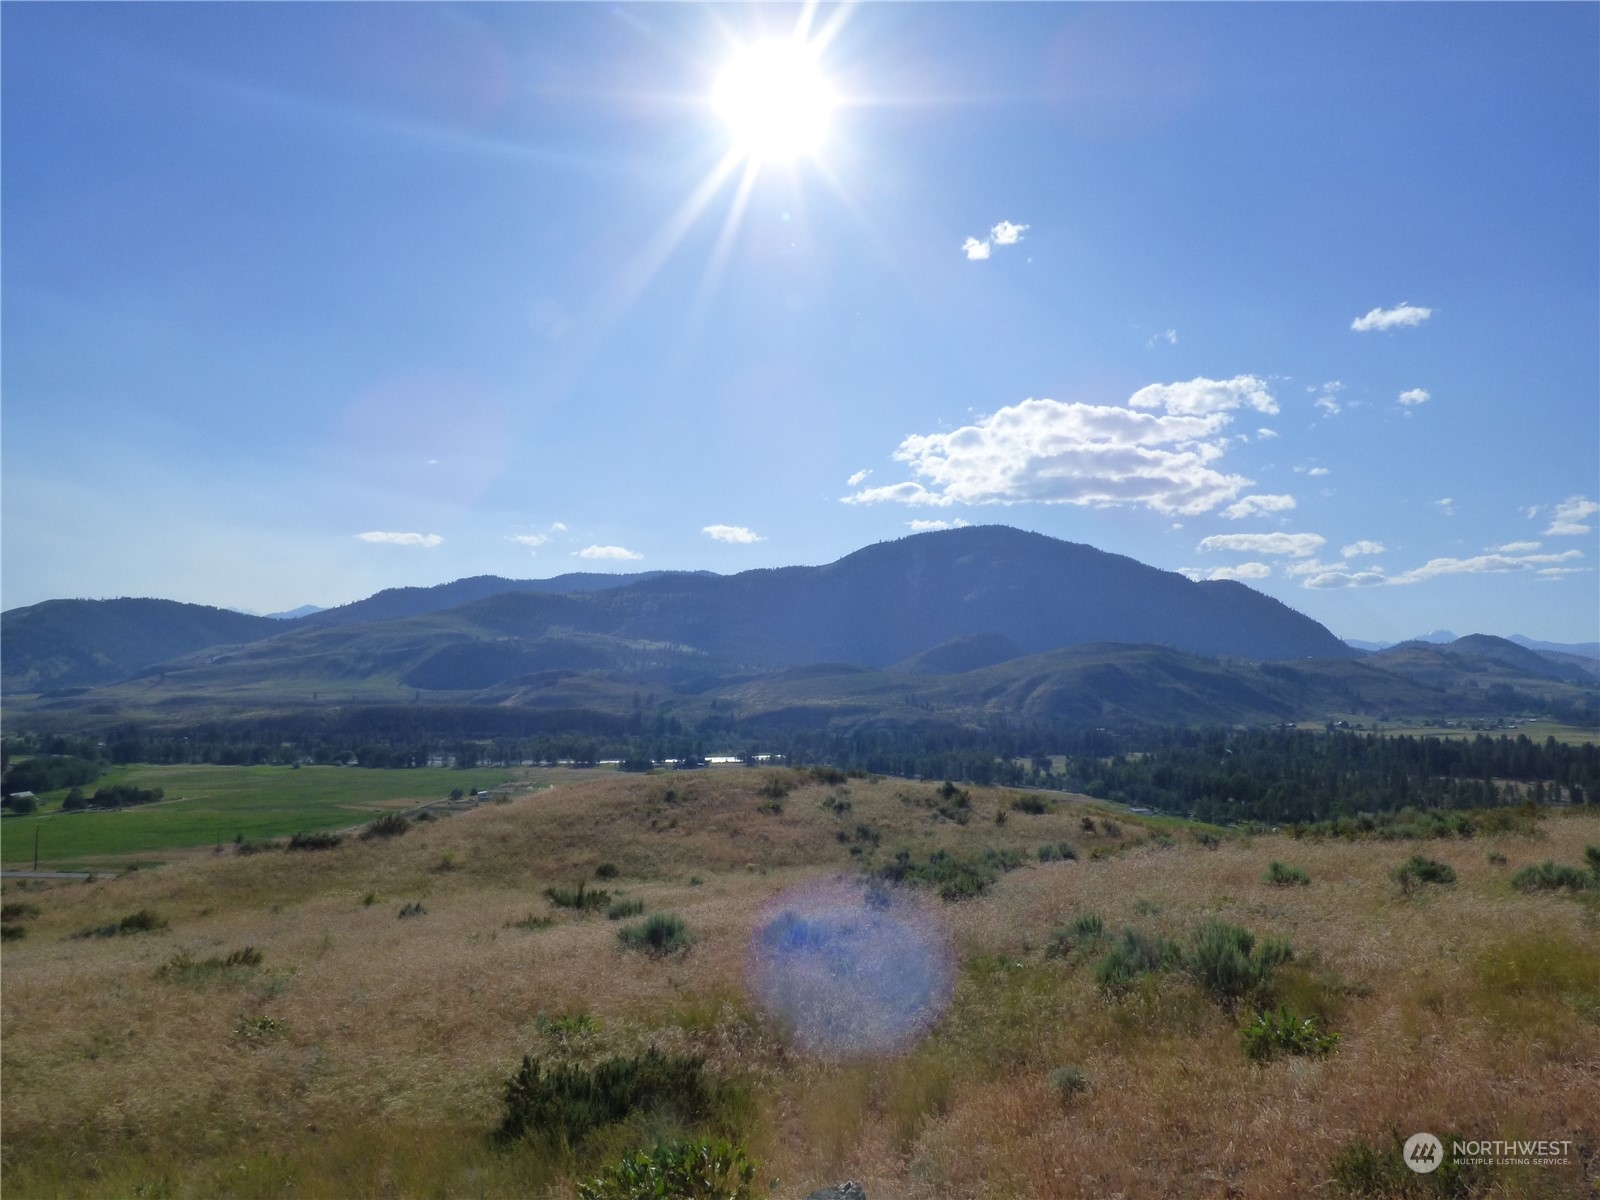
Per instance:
{"type": "Point", "coordinates": [851, 971]}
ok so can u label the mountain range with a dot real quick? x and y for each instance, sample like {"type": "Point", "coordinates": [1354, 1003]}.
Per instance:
{"type": "Point", "coordinates": [948, 625]}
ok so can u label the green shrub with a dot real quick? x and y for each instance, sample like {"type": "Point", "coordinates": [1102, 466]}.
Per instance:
{"type": "Point", "coordinates": [1281, 876]}
{"type": "Point", "coordinates": [580, 898]}
{"type": "Point", "coordinates": [1496, 859]}
{"type": "Point", "coordinates": [1136, 954]}
{"type": "Point", "coordinates": [1085, 929]}
{"type": "Point", "coordinates": [1032, 805]}
{"type": "Point", "coordinates": [775, 786]}
{"type": "Point", "coordinates": [624, 908]}
{"type": "Point", "coordinates": [1418, 870]}
{"type": "Point", "coordinates": [247, 846]}
{"type": "Point", "coordinates": [183, 967]}
{"type": "Point", "coordinates": [531, 922]}
{"type": "Point", "coordinates": [606, 871]}
{"type": "Point", "coordinates": [314, 841]}
{"type": "Point", "coordinates": [1066, 1082]}
{"type": "Point", "coordinates": [143, 921]}
{"type": "Point", "coordinates": [387, 826]}
{"type": "Point", "coordinates": [1550, 877]}
{"type": "Point", "coordinates": [1362, 1168]}
{"type": "Point", "coordinates": [697, 1169]}
{"type": "Point", "coordinates": [12, 933]}
{"type": "Point", "coordinates": [18, 910]}
{"type": "Point", "coordinates": [413, 909]}
{"type": "Point", "coordinates": [1591, 856]}
{"type": "Point", "coordinates": [568, 1101]}
{"type": "Point", "coordinates": [660, 934]}
{"type": "Point", "coordinates": [1273, 1033]}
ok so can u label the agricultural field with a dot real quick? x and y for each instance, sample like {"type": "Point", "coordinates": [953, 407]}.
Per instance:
{"type": "Point", "coordinates": [935, 991]}
{"type": "Point", "coordinates": [206, 805]}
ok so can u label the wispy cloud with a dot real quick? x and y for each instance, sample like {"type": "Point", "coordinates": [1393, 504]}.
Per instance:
{"type": "Point", "coordinates": [858, 478]}
{"type": "Point", "coordinates": [1265, 434]}
{"type": "Point", "coordinates": [921, 526]}
{"type": "Point", "coordinates": [1414, 396]}
{"type": "Point", "coordinates": [1249, 570]}
{"type": "Point", "coordinates": [1362, 548]}
{"type": "Point", "coordinates": [1518, 547]}
{"type": "Point", "coordinates": [1339, 575]}
{"type": "Point", "coordinates": [614, 552]}
{"type": "Point", "coordinates": [1328, 401]}
{"type": "Point", "coordinates": [1447, 506]}
{"type": "Point", "coordinates": [401, 539]}
{"type": "Point", "coordinates": [1255, 506]}
{"type": "Point", "coordinates": [531, 540]}
{"type": "Point", "coordinates": [1169, 336]}
{"type": "Point", "coordinates": [1483, 564]}
{"type": "Point", "coordinates": [558, 527]}
{"type": "Point", "coordinates": [1049, 452]}
{"type": "Point", "coordinates": [1314, 472]}
{"type": "Point", "coordinates": [974, 249]}
{"type": "Point", "coordinates": [1296, 545]}
{"type": "Point", "coordinates": [737, 534]}
{"type": "Point", "coordinates": [1570, 518]}
{"type": "Point", "coordinates": [1398, 317]}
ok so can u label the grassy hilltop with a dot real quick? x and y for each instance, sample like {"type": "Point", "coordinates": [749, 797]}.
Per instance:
{"type": "Point", "coordinates": [344, 1021]}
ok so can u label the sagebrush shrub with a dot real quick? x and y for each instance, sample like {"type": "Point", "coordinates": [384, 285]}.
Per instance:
{"type": "Point", "coordinates": [1068, 1081]}
{"type": "Point", "coordinates": [1280, 875]}
{"type": "Point", "coordinates": [580, 898]}
{"type": "Point", "coordinates": [314, 841]}
{"type": "Point", "coordinates": [660, 934]}
{"type": "Point", "coordinates": [1419, 869]}
{"type": "Point", "coordinates": [624, 908]}
{"type": "Point", "coordinates": [1550, 876]}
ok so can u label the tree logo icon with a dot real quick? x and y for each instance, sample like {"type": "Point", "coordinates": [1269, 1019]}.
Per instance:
{"type": "Point", "coordinates": [1423, 1153]}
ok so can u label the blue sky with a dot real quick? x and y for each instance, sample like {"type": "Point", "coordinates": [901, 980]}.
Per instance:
{"type": "Point", "coordinates": [303, 301]}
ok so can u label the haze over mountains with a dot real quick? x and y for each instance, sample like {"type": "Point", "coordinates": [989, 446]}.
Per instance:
{"type": "Point", "coordinates": [957, 622]}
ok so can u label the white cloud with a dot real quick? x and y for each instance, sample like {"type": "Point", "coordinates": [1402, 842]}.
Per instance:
{"type": "Point", "coordinates": [1255, 506]}
{"type": "Point", "coordinates": [1264, 434]}
{"type": "Point", "coordinates": [531, 540]}
{"type": "Point", "coordinates": [1447, 506]}
{"type": "Point", "coordinates": [737, 534]}
{"type": "Point", "coordinates": [1482, 564]}
{"type": "Point", "coordinates": [1558, 572]}
{"type": "Point", "coordinates": [1518, 547]}
{"type": "Point", "coordinates": [1339, 576]}
{"type": "Point", "coordinates": [558, 527]}
{"type": "Point", "coordinates": [1296, 545]}
{"type": "Point", "coordinates": [974, 249]}
{"type": "Point", "coordinates": [1363, 547]}
{"type": "Point", "coordinates": [1007, 233]}
{"type": "Point", "coordinates": [401, 539]}
{"type": "Point", "coordinates": [1048, 452]}
{"type": "Point", "coordinates": [858, 478]}
{"type": "Point", "coordinates": [1201, 396]}
{"type": "Point", "coordinates": [1329, 406]}
{"type": "Point", "coordinates": [1400, 315]}
{"type": "Point", "coordinates": [1415, 396]}
{"type": "Point", "coordinates": [1169, 336]}
{"type": "Point", "coordinates": [607, 552]}
{"type": "Point", "coordinates": [1570, 516]}
{"type": "Point", "coordinates": [1249, 570]}
{"type": "Point", "coordinates": [1316, 472]}
{"type": "Point", "coordinates": [920, 526]}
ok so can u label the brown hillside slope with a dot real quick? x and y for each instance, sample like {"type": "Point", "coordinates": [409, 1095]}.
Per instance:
{"type": "Point", "coordinates": [367, 1055]}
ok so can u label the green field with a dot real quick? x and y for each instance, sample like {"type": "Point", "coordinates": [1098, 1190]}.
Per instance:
{"type": "Point", "coordinates": [205, 805]}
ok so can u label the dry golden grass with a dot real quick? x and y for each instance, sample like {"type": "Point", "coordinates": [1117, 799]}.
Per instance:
{"type": "Point", "coordinates": [1469, 1008]}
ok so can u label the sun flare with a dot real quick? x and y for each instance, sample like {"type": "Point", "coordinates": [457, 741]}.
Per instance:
{"type": "Point", "coordinates": [775, 101]}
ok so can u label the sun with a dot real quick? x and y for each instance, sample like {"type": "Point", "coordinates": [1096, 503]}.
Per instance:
{"type": "Point", "coordinates": [775, 101]}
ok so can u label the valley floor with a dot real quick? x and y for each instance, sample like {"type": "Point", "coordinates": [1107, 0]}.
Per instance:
{"type": "Point", "coordinates": [367, 1054]}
